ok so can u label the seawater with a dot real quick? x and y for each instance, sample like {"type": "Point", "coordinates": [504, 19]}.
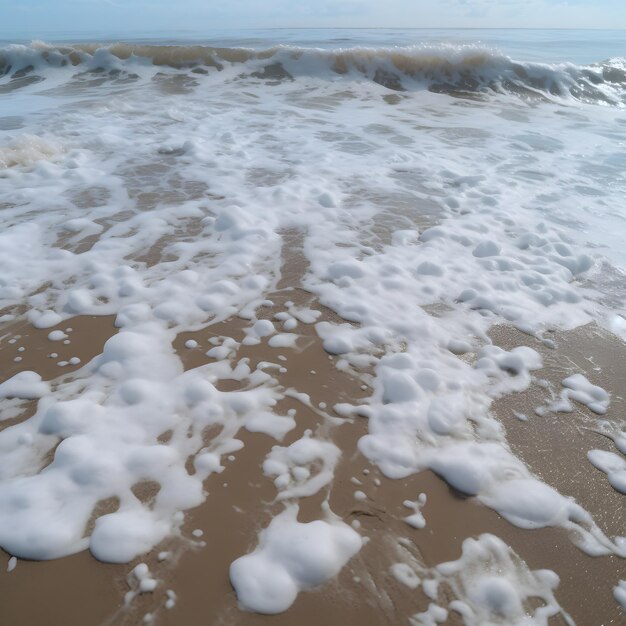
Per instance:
{"type": "Point", "coordinates": [543, 45]}
{"type": "Point", "coordinates": [550, 104]}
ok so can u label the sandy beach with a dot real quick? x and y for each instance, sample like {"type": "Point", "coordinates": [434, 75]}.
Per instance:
{"type": "Point", "coordinates": [307, 332]}
{"type": "Point", "coordinates": [240, 501]}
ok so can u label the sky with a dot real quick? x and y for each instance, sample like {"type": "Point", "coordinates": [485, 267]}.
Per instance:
{"type": "Point", "coordinates": [39, 18]}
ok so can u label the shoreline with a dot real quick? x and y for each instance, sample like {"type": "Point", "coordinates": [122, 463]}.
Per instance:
{"type": "Point", "coordinates": [312, 331]}
{"type": "Point", "coordinates": [231, 517]}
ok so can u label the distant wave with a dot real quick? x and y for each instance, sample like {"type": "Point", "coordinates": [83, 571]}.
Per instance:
{"type": "Point", "coordinates": [455, 70]}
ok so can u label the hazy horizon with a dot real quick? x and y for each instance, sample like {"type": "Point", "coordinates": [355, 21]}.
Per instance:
{"type": "Point", "coordinates": [34, 18]}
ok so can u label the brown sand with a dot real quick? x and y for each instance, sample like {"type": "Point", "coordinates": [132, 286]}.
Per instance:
{"type": "Point", "coordinates": [80, 590]}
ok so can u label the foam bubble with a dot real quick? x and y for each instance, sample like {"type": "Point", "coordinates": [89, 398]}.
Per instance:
{"type": "Point", "coordinates": [291, 557]}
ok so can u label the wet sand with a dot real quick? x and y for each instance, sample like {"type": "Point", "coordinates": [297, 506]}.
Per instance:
{"type": "Point", "coordinates": [241, 500]}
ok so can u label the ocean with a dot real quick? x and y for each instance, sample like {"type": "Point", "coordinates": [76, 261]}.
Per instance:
{"type": "Point", "coordinates": [184, 180]}
{"type": "Point", "coordinates": [536, 116]}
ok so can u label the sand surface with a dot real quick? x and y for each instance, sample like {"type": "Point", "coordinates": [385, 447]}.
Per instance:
{"type": "Point", "coordinates": [80, 590]}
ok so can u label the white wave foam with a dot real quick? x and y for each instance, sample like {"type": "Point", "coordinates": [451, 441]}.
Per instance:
{"type": "Point", "coordinates": [26, 150]}
{"type": "Point", "coordinates": [443, 68]}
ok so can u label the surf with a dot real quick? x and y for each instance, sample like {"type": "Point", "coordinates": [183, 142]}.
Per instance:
{"type": "Point", "coordinates": [449, 69]}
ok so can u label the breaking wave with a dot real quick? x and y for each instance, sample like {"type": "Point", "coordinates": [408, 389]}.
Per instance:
{"type": "Point", "coordinates": [454, 70]}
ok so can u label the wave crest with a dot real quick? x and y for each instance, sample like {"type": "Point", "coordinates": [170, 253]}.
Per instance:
{"type": "Point", "coordinates": [454, 70]}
